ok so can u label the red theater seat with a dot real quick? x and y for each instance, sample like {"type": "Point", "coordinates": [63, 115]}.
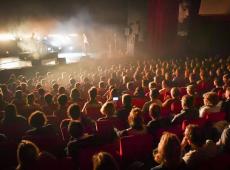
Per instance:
{"type": "Point", "coordinates": [200, 122]}
{"type": "Point", "coordinates": [215, 117]}
{"type": "Point", "coordinates": [93, 113]}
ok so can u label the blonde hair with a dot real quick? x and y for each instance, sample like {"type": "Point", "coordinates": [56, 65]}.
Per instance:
{"type": "Point", "coordinates": [108, 109]}
{"type": "Point", "coordinates": [168, 150]}
{"type": "Point", "coordinates": [135, 119]}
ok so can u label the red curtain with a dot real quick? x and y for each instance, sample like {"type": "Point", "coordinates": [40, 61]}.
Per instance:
{"type": "Point", "coordinates": [162, 26]}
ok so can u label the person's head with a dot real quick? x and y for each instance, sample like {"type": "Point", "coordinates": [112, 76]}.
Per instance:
{"type": "Point", "coordinates": [61, 90]}
{"type": "Point", "coordinates": [41, 92]}
{"type": "Point", "coordinates": [10, 112]}
{"type": "Point", "coordinates": [225, 140]}
{"type": "Point", "coordinates": [187, 102]}
{"type": "Point", "coordinates": [55, 87]}
{"type": "Point", "coordinates": [102, 85]}
{"type": "Point", "coordinates": [165, 84]}
{"type": "Point", "coordinates": [75, 129]}
{"type": "Point", "coordinates": [104, 161]}
{"type": "Point", "coordinates": [139, 91]}
{"type": "Point", "coordinates": [72, 81]}
{"type": "Point", "coordinates": [154, 111]}
{"type": "Point", "coordinates": [210, 99]}
{"type": "Point", "coordinates": [108, 109]}
{"type": "Point", "coordinates": [62, 100]}
{"type": "Point", "coordinates": [168, 150]}
{"type": "Point", "coordinates": [37, 119]}
{"type": "Point", "coordinates": [226, 79]}
{"type": "Point", "coordinates": [154, 93]}
{"type": "Point", "coordinates": [74, 112]}
{"type": "Point", "coordinates": [195, 136]}
{"type": "Point", "coordinates": [27, 154]}
{"type": "Point", "coordinates": [18, 95]}
{"type": "Point", "coordinates": [113, 93]}
{"type": "Point", "coordinates": [227, 93]}
{"type": "Point", "coordinates": [152, 85]}
{"type": "Point", "coordinates": [217, 82]}
{"type": "Point", "coordinates": [92, 93]}
{"type": "Point", "coordinates": [175, 92]}
{"type": "Point", "coordinates": [126, 100]}
{"type": "Point", "coordinates": [130, 86]}
{"type": "Point", "coordinates": [192, 77]}
{"type": "Point", "coordinates": [49, 98]}
{"type": "Point", "coordinates": [30, 98]}
{"type": "Point", "coordinates": [190, 89]}
{"type": "Point", "coordinates": [74, 94]}
{"type": "Point", "coordinates": [135, 119]}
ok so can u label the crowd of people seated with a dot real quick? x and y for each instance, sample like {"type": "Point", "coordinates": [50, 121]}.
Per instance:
{"type": "Point", "coordinates": [153, 114]}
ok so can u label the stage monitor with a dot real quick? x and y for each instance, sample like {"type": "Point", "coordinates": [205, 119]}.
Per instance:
{"type": "Point", "coordinates": [215, 7]}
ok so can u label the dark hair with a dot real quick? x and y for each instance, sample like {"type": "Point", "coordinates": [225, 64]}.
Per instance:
{"type": "Point", "coordinates": [154, 111]}
{"type": "Point", "coordinates": [74, 111]}
{"type": "Point", "coordinates": [74, 94]}
{"type": "Point", "coordinates": [10, 112]}
{"type": "Point", "coordinates": [92, 93]}
{"type": "Point", "coordinates": [37, 119]}
{"type": "Point", "coordinates": [30, 98]}
{"type": "Point", "coordinates": [62, 100]}
{"type": "Point", "coordinates": [196, 135]}
{"type": "Point", "coordinates": [75, 129]}
{"type": "Point", "coordinates": [49, 98]}
{"type": "Point", "coordinates": [27, 154]}
{"type": "Point", "coordinates": [127, 100]}
{"type": "Point", "coordinates": [41, 91]}
{"type": "Point", "coordinates": [104, 161]}
{"type": "Point", "coordinates": [154, 93]}
{"type": "Point", "coordinates": [139, 91]}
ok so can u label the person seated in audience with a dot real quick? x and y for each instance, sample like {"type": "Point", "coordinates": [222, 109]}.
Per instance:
{"type": "Point", "coordinates": [165, 91]}
{"type": "Point", "coordinates": [75, 97]}
{"type": "Point", "coordinates": [60, 113]}
{"type": "Point", "coordinates": [156, 121]}
{"type": "Point", "coordinates": [31, 105]}
{"type": "Point", "coordinates": [41, 96]}
{"type": "Point", "coordinates": [71, 84]}
{"type": "Point", "coordinates": [123, 113]}
{"type": "Point", "coordinates": [152, 85]}
{"type": "Point", "coordinates": [54, 90]}
{"type": "Point", "coordinates": [3, 104]}
{"type": "Point", "coordinates": [226, 81]}
{"type": "Point", "coordinates": [218, 88]}
{"type": "Point", "coordinates": [174, 102]}
{"type": "Point", "coordinates": [104, 161]}
{"type": "Point", "coordinates": [27, 155]}
{"type": "Point", "coordinates": [108, 110]}
{"type": "Point", "coordinates": [139, 93]}
{"type": "Point", "coordinates": [79, 140]}
{"type": "Point", "coordinates": [49, 107]}
{"type": "Point", "coordinates": [19, 101]}
{"type": "Point", "coordinates": [154, 98]}
{"type": "Point", "coordinates": [144, 85]}
{"type": "Point", "coordinates": [93, 102]}
{"type": "Point", "coordinates": [192, 80]}
{"type": "Point", "coordinates": [74, 114]}
{"type": "Point", "coordinates": [178, 80]}
{"type": "Point", "coordinates": [130, 88]}
{"type": "Point", "coordinates": [101, 88]}
{"type": "Point", "coordinates": [39, 126]}
{"type": "Point", "coordinates": [168, 153]}
{"type": "Point", "coordinates": [13, 124]}
{"type": "Point", "coordinates": [201, 150]}
{"type": "Point", "coordinates": [210, 104]}
{"type": "Point", "coordinates": [7, 94]}
{"type": "Point", "coordinates": [225, 107]}
{"type": "Point", "coordinates": [188, 111]}
{"type": "Point", "coordinates": [224, 141]}
{"type": "Point", "coordinates": [203, 85]}
{"type": "Point", "coordinates": [191, 91]}
{"type": "Point", "coordinates": [113, 93]}
{"type": "Point", "coordinates": [136, 124]}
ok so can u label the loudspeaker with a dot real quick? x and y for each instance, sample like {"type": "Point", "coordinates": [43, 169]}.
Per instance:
{"type": "Point", "coordinates": [36, 62]}
{"type": "Point", "coordinates": [61, 60]}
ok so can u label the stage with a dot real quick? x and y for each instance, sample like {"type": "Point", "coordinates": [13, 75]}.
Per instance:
{"type": "Point", "coordinates": [16, 63]}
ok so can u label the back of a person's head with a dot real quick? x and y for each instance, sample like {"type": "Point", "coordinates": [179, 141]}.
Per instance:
{"type": "Point", "coordinates": [227, 93]}
{"type": "Point", "coordinates": [139, 91]}
{"type": "Point", "coordinates": [126, 100]}
{"type": "Point", "coordinates": [187, 102]}
{"type": "Point", "coordinates": [61, 90]}
{"type": "Point", "coordinates": [190, 89]}
{"type": "Point", "coordinates": [74, 111]}
{"type": "Point", "coordinates": [154, 93]}
{"type": "Point", "coordinates": [30, 98]}
{"type": "Point", "coordinates": [114, 93]}
{"type": "Point", "coordinates": [27, 154]}
{"type": "Point", "coordinates": [130, 85]}
{"type": "Point", "coordinates": [175, 92]}
{"type": "Point", "coordinates": [92, 93]}
{"type": "Point", "coordinates": [195, 135]}
{"type": "Point", "coordinates": [41, 91]}
{"type": "Point", "coordinates": [102, 84]}
{"type": "Point", "coordinates": [10, 111]}
{"type": "Point", "coordinates": [108, 109]}
{"type": "Point", "coordinates": [211, 99]}
{"type": "Point", "coordinates": [49, 98]}
{"type": "Point", "coordinates": [62, 100]}
{"type": "Point", "coordinates": [152, 85]}
{"type": "Point", "coordinates": [37, 119]}
{"type": "Point", "coordinates": [135, 119]}
{"type": "Point", "coordinates": [225, 140]}
{"type": "Point", "coordinates": [104, 161]}
{"type": "Point", "coordinates": [154, 111]}
{"type": "Point", "coordinates": [18, 94]}
{"type": "Point", "coordinates": [72, 81]}
{"type": "Point", "coordinates": [75, 129]}
{"type": "Point", "coordinates": [74, 94]}
{"type": "Point", "coordinates": [168, 151]}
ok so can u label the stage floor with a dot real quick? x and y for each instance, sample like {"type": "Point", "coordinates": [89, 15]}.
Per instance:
{"type": "Point", "coordinates": [15, 62]}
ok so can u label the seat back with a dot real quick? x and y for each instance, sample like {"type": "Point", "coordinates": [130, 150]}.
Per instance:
{"type": "Point", "coordinates": [136, 148]}
{"type": "Point", "coordinates": [107, 126]}
{"type": "Point", "coordinates": [215, 117]}
{"type": "Point", "coordinates": [93, 113]}
{"type": "Point", "coordinates": [199, 121]}
{"type": "Point", "coordinates": [138, 102]}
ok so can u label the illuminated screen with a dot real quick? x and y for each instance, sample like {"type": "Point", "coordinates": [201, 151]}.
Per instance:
{"type": "Point", "coordinates": [215, 7]}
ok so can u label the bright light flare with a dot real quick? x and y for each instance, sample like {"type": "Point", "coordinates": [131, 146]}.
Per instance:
{"type": "Point", "coordinates": [7, 37]}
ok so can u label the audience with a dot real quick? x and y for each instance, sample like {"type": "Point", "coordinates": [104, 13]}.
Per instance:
{"type": "Point", "coordinates": [104, 161]}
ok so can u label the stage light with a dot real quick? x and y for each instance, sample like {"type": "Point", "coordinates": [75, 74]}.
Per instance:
{"type": "Point", "coordinates": [71, 48]}
{"type": "Point", "coordinates": [7, 37]}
